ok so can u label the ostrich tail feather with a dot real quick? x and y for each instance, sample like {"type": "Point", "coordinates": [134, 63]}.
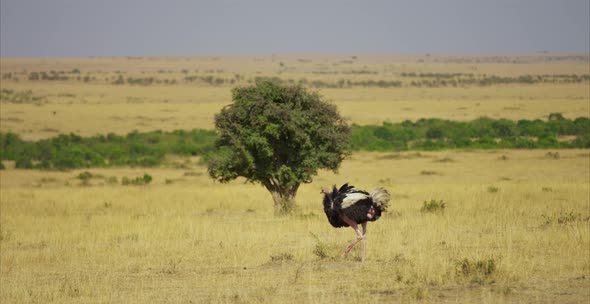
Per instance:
{"type": "Point", "coordinates": [381, 198]}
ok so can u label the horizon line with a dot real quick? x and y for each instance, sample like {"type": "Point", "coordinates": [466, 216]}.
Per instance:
{"type": "Point", "coordinates": [431, 54]}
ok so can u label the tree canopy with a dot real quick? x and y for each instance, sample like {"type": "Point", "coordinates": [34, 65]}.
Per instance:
{"type": "Point", "coordinates": [279, 136]}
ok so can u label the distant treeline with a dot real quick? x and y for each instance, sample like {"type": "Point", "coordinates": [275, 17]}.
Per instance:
{"type": "Point", "coordinates": [482, 133]}
{"type": "Point", "coordinates": [149, 148]}
{"type": "Point", "coordinates": [73, 151]}
{"type": "Point", "coordinates": [460, 79]}
{"type": "Point", "coordinates": [432, 80]}
{"type": "Point", "coordinates": [342, 83]}
{"type": "Point", "coordinates": [408, 79]}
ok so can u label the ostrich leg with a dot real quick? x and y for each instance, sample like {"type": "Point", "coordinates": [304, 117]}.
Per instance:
{"type": "Point", "coordinates": [354, 226]}
{"type": "Point", "coordinates": [364, 224]}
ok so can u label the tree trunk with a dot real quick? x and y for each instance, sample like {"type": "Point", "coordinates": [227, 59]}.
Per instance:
{"type": "Point", "coordinates": [283, 197]}
{"type": "Point", "coordinates": [284, 203]}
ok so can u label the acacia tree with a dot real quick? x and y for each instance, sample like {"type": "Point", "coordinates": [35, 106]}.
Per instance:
{"type": "Point", "coordinates": [278, 136]}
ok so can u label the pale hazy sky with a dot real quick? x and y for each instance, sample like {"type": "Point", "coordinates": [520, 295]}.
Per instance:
{"type": "Point", "coordinates": [81, 28]}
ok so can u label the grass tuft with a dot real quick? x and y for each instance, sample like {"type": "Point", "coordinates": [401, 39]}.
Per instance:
{"type": "Point", "coordinates": [281, 257]}
{"type": "Point", "coordinates": [433, 206]}
{"type": "Point", "coordinates": [478, 271]}
{"type": "Point", "coordinates": [493, 189]}
{"type": "Point", "coordinates": [563, 218]}
{"type": "Point", "coordinates": [321, 249]}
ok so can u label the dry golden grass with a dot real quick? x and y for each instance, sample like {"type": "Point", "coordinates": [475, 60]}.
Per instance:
{"type": "Point", "coordinates": [98, 107]}
{"type": "Point", "coordinates": [184, 238]}
{"type": "Point", "coordinates": [515, 227]}
{"type": "Point", "coordinates": [119, 110]}
{"type": "Point", "coordinates": [122, 109]}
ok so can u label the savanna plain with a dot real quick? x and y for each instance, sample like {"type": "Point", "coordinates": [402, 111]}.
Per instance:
{"type": "Point", "coordinates": [464, 226]}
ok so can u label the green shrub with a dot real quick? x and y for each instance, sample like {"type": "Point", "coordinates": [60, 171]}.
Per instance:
{"type": "Point", "coordinates": [137, 181]}
{"type": "Point", "coordinates": [85, 176]}
{"type": "Point", "coordinates": [321, 249]}
{"type": "Point", "coordinates": [24, 163]}
{"type": "Point", "coordinates": [435, 133]}
{"type": "Point", "coordinates": [433, 206]}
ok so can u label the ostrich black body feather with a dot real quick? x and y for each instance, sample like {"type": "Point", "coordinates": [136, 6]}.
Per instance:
{"type": "Point", "coordinates": [353, 203]}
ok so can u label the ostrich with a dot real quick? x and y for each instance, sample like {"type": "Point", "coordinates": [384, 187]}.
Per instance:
{"type": "Point", "coordinates": [349, 206]}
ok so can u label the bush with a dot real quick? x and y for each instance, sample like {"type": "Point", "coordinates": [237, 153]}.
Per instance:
{"type": "Point", "coordinates": [85, 176]}
{"type": "Point", "coordinates": [478, 270]}
{"type": "Point", "coordinates": [435, 133]}
{"type": "Point", "coordinates": [137, 181]}
{"type": "Point", "coordinates": [321, 249]}
{"type": "Point", "coordinates": [24, 163]}
{"type": "Point", "coordinates": [433, 206]}
{"type": "Point", "coordinates": [504, 128]}
{"type": "Point", "coordinates": [555, 116]}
